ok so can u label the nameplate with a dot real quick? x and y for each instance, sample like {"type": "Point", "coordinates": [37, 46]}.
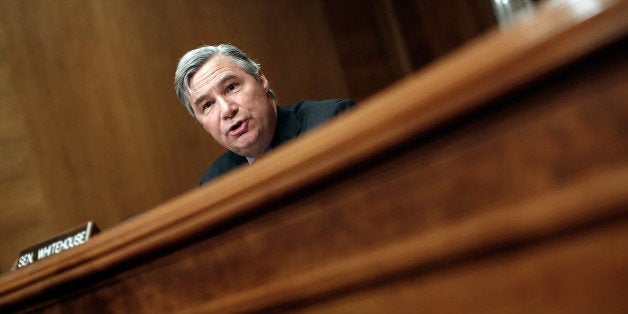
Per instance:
{"type": "Point", "coordinates": [56, 245]}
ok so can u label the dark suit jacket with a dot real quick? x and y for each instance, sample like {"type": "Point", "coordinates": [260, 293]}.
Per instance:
{"type": "Point", "coordinates": [292, 120]}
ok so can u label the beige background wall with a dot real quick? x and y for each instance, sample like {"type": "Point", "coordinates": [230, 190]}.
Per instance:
{"type": "Point", "coordinates": [90, 128]}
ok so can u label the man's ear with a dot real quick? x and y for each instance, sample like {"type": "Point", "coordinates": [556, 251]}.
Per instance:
{"type": "Point", "coordinates": [263, 80]}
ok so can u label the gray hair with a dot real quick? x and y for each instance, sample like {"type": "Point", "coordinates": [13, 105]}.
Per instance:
{"type": "Point", "coordinates": [193, 60]}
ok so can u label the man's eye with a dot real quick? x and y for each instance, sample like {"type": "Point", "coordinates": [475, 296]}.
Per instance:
{"type": "Point", "coordinates": [207, 105]}
{"type": "Point", "coordinates": [231, 86]}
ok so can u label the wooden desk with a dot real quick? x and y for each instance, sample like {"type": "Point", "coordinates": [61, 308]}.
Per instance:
{"type": "Point", "coordinates": [495, 180]}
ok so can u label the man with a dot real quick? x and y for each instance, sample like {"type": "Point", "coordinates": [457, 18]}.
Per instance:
{"type": "Point", "coordinates": [231, 98]}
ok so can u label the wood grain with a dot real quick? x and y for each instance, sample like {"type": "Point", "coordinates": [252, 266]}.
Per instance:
{"type": "Point", "coordinates": [91, 127]}
{"type": "Point", "coordinates": [439, 170]}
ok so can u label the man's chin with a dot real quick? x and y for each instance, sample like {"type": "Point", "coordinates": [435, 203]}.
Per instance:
{"type": "Point", "coordinates": [247, 147]}
{"type": "Point", "coordinates": [245, 151]}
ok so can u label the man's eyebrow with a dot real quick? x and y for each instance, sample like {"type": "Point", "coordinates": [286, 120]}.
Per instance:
{"type": "Point", "coordinates": [198, 101]}
{"type": "Point", "coordinates": [220, 82]}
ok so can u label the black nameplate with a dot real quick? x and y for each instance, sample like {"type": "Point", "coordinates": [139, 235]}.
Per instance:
{"type": "Point", "coordinates": [56, 245]}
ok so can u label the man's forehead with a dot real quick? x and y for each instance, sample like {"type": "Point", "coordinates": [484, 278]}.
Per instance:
{"type": "Point", "coordinates": [215, 71]}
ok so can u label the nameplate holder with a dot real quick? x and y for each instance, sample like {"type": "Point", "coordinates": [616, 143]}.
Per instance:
{"type": "Point", "coordinates": [56, 245]}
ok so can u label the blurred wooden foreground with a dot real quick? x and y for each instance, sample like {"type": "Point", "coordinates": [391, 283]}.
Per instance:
{"type": "Point", "coordinates": [494, 180]}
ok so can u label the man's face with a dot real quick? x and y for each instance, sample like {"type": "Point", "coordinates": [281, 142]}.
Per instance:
{"type": "Point", "coordinates": [233, 106]}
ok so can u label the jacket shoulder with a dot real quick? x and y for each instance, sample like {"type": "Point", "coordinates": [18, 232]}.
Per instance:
{"type": "Point", "coordinates": [221, 165]}
{"type": "Point", "coordinates": [312, 113]}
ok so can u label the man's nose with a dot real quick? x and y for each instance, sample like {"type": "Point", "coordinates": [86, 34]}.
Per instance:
{"type": "Point", "coordinates": [228, 108]}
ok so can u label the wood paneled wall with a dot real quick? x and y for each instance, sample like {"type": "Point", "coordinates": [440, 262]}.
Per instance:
{"type": "Point", "coordinates": [90, 127]}
{"type": "Point", "coordinates": [381, 41]}
{"type": "Point", "coordinates": [441, 194]}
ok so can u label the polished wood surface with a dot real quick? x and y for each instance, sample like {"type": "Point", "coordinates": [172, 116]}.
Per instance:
{"type": "Point", "coordinates": [480, 183]}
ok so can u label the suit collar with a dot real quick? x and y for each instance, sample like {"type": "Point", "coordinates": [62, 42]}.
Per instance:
{"type": "Point", "coordinates": [288, 126]}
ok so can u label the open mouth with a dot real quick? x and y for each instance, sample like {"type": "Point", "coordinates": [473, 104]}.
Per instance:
{"type": "Point", "coordinates": [237, 128]}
